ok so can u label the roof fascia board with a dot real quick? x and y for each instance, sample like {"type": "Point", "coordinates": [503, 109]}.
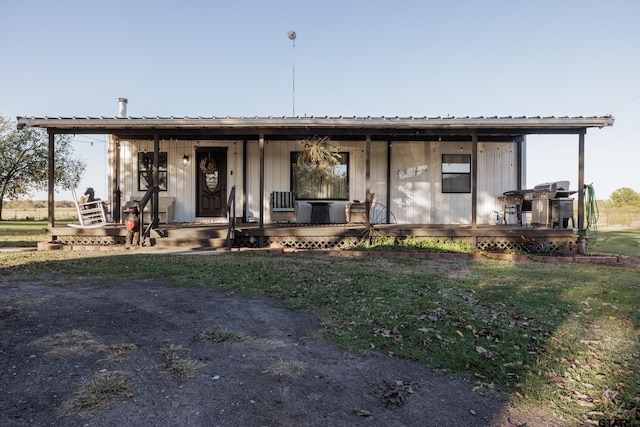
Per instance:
{"type": "Point", "coordinates": [532, 125]}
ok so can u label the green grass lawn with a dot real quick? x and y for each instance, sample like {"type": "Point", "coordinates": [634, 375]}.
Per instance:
{"type": "Point", "coordinates": [22, 233]}
{"type": "Point", "coordinates": [621, 242]}
{"type": "Point", "coordinates": [561, 338]}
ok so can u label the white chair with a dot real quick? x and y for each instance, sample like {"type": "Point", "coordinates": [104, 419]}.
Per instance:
{"type": "Point", "coordinates": [90, 214]}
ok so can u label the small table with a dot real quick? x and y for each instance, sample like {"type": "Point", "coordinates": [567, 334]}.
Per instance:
{"type": "Point", "coordinates": [320, 212]}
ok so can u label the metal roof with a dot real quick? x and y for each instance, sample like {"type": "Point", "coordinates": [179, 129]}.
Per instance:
{"type": "Point", "coordinates": [296, 127]}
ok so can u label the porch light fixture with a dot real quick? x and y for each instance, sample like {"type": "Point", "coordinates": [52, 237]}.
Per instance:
{"type": "Point", "coordinates": [185, 160]}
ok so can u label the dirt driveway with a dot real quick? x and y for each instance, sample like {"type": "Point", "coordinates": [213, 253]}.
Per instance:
{"type": "Point", "coordinates": [55, 340]}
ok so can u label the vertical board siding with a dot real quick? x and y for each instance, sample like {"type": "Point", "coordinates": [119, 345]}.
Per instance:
{"type": "Point", "coordinates": [449, 208]}
{"type": "Point", "coordinates": [181, 182]}
{"type": "Point", "coordinates": [411, 182]}
{"type": "Point", "coordinates": [497, 173]}
{"type": "Point", "coordinates": [253, 181]}
{"type": "Point", "coordinates": [415, 182]}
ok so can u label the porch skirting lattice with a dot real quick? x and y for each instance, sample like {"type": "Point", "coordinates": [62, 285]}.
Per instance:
{"type": "Point", "coordinates": [345, 236]}
{"type": "Point", "coordinates": [94, 240]}
{"type": "Point", "coordinates": [296, 242]}
{"type": "Point", "coordinates": [560, 245]}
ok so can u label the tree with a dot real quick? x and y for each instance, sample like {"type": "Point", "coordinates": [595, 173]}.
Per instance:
{"type": "Point", "coordinates": [24, 161]}
{"type": "Point", "coordinates": [625, 197]}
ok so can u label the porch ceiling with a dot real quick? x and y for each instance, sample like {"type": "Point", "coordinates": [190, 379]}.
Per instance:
{"type": "Point", "coordinates": [346, 128]}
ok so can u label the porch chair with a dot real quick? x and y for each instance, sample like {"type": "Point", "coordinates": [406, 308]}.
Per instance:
{"type": "Point", "coordinates": [90, 214]}
{"type": "Point", "coordinates": [284, 207]}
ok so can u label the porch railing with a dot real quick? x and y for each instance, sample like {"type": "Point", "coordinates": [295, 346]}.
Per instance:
{"type": "Point", "coordinates": [231, 215]}
{"type": "Point", "coordinates": [151, 192]}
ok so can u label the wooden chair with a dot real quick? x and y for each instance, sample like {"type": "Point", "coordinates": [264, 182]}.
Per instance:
{"type": "Point", "coordinates": [284, 207]}
{"type": "Point", "coordinates": [90, 214]}
{"type": "Point", "coordinates": [166, 209]}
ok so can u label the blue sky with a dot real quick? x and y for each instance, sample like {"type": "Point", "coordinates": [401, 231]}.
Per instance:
{"type": "Point", "coordinates": [363, 58]}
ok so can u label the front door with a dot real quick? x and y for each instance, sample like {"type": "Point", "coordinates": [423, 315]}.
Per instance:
{"type": "Point", "coordinates": [211, 182]}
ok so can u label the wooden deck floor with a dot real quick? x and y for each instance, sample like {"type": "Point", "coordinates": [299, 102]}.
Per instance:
{"type": "Point", "coordinates": [320, 236]}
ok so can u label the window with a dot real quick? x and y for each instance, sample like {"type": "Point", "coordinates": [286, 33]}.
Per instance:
{"type": "Point", "coordinates": [310, 183]}
{"type": "Point", "coordinates": [456, 173]}
{"type": "Point", "coordinates": [145, 171]}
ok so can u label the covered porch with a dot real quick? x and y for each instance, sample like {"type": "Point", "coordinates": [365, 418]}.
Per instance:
{"type": "Point", "coordinates": [256, 150]}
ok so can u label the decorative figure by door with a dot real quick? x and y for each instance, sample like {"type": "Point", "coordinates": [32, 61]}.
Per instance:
{"type": "Point", "coordinates": [209, 168]}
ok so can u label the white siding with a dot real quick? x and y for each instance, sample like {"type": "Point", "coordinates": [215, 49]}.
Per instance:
{"type": "Point", "coordinates": [448, 208]}
{"type": "Point", "coordinates": [497, 173]}
{"type": "Point", "coordinates": [181, 182]}
{"type": "Point", "coordinates": [411, 182]}
{"type": "Point", "coordinates": [416, 171]}
{"type": "Point", "coordinates": [277, 176]}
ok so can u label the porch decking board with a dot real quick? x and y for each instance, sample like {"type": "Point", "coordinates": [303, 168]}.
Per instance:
{"type": "Point", "coordinates": [486, 237]}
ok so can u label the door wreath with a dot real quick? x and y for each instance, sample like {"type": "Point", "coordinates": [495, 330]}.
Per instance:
{"type": "Point", "coordinates": [209, 168]}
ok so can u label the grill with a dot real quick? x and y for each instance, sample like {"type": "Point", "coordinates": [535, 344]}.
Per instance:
{"type": "Point", "coordinates": [551, 205]}
{"type": "Point", "coordinates": [515, 202]}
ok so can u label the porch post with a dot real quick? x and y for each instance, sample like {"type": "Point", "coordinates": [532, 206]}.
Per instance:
{"type": "Point", "coordinates": [367, 179]}
{"type": "Point", "coordinates": [244, 180]}
{"type": "Point", "coordinates": [474, 180]}
{"type": "Point", "coordinates": [156, 179]}
{"type": "Point", "coordinates": [389, 145]}
{"type": "Point", "coordinates": [51, 181]}
{"type": "Point", "coordinates": [521, 169]}
{"type": "Point", "coordinates": [261, 220]}
{"type": "Point", "coordinates": [582, 233]}
{"type": "Point", "coordinates": [115, 182]}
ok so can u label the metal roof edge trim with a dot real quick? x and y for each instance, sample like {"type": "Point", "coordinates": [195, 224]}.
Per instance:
{"type": "Point", "coordinates": [303, 122]}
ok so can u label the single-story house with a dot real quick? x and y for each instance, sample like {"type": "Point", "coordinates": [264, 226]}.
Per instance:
{"type": "Point", "coordinates": [430, 172]}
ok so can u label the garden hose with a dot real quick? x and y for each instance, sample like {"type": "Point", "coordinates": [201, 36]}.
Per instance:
{"type": "Point", "coordinates": [591, 213]}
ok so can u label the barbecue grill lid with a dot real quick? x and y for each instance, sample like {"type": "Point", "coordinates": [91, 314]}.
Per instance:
{"type": "Point", "coordinates": [553, 186]}
{"type": "Point", "coordinates": [517, 193]}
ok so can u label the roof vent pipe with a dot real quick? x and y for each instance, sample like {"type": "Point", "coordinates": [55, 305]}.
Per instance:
{"type": "Point", "coordinates": [122, 107]}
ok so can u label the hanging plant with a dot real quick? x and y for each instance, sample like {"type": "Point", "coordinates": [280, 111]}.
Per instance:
{"type": "Point", "coordinates": [319, 153]}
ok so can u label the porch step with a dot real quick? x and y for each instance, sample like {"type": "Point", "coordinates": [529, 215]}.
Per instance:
{"type": "Point", "coordinates": [204, 237]}
{"type": "Point", "coordinates": [192, 242]}
{"type": "Point", "coordinates": [197, 232]}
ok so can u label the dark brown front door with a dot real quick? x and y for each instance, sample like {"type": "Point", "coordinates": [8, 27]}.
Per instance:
{"type": "Point", "coordinates": [211, 182]}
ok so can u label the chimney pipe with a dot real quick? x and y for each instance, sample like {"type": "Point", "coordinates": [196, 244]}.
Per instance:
{"type": "Point", "coordinates": [122, 107]}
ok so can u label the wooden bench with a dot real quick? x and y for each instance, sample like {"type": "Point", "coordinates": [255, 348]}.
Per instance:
{"type": "Point", "coordinates": [284, 207]}
{"type": "Point", "coordinates": [166, 209]}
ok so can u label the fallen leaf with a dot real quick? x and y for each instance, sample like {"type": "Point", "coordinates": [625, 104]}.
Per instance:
{"type": "Point", "coordinates": [361, 412]}
{"type": "Point", "coordinates": [585, 404]}
{"type": "Point", "coordinates": [589, 342]}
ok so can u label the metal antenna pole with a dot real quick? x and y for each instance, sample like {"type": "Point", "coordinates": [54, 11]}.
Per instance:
{"type": "Point", "coordinates": [294, 77]}
{"type": "Point", "coordinates": [292, 37]}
